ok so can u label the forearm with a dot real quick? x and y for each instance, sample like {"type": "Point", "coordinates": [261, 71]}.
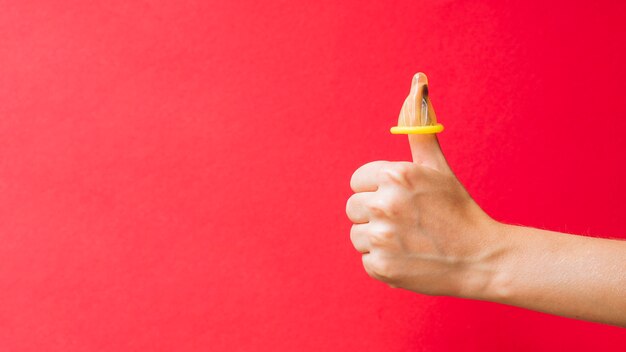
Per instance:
{"type": "Point", "coordinates": [572, 276]}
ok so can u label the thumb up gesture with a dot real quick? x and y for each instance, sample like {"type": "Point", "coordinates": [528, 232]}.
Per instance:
{"type": "Point", "coordinates": [417, 228]}
{"type": "Point", "coordinates": [415, 225]}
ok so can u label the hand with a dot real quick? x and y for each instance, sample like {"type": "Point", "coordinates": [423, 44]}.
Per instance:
{"type": "Point", "coordinates": [417, 227]}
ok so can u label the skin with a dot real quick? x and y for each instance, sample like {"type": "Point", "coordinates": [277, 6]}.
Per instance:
{"type": "Point", "coordinates": [417, 228]}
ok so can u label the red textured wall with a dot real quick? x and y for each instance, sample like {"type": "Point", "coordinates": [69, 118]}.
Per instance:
{"type": "Point", "coordinates": [173, 174]}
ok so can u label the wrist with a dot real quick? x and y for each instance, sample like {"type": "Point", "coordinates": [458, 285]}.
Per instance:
{"type": "Point", "coordinates": [488, 276]}
{"type": "Point", "coordinates": [513, 252]}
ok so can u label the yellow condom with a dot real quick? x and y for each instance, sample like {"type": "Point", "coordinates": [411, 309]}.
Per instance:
{"type": "Point", "coordinates": [417, 115]}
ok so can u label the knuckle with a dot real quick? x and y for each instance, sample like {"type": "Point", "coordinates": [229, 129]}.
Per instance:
{"type": "Point", "coordinates": [383, 270]}
{"type": "Point", "coordinates": [369, 264]}
{"type": "Point", "coordinates": [397, 173]}
{"type": "Point", "coordinates": [393, 207]}
{"type": "Point", "coordinates": [386, 174]}
{"type": "Point", "coordinates": [380, 207]}
{"type": "Point", "coordinates": [404, 169]}
{"type": "Point", "coordinates": [378, 268]}
{"type": "Point", "coordinates": [381, 237]}
{"type": "Point", "coordinates": [386, 205]}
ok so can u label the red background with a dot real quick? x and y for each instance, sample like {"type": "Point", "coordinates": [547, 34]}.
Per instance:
{"type": "Point", "coordinates": [173, 174]}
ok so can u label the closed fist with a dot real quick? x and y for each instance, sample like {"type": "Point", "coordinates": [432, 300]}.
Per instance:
{"type": "Point", "coordinates": [417, 227]}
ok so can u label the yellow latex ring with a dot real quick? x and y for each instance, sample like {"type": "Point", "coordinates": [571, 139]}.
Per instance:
{"type": "Point", "coordinates": [417, 129]}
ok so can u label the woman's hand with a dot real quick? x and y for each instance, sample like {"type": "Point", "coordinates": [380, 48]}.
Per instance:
{"type": "Point", "coordinates": [418, 228]}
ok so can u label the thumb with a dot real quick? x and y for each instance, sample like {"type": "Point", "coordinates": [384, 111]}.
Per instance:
{"type": "Point", "coordinates": [426, 151]}
{"type": "Point", "coordinates": [419, 120]}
